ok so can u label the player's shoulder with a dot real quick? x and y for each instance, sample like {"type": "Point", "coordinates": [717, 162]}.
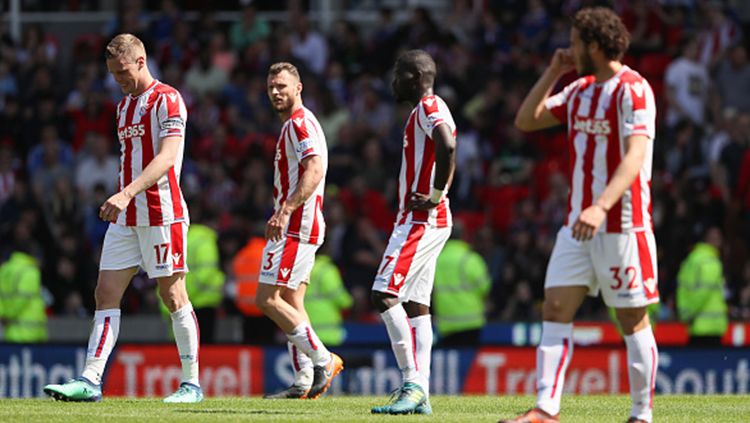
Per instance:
{"type": "Point", "coordinates": [432, 103]}
{"type": "Point", "coordinates": [167, 90]}
{"type": "Point", "coordinates": [631, 76]}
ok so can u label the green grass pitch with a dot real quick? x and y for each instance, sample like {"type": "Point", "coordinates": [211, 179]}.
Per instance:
{"type": "Point", "coordinates": [615, 408]}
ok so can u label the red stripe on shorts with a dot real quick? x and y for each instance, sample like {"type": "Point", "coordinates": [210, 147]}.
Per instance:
{"type": "Point", "coordinates": [288, 257]}
{"type": "Point", "coordinates": [178, 246]}
{"type": "Point", "coordinates": [405, 257]}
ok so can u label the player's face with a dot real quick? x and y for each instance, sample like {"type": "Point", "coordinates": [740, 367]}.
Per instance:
{"type": "Point", "coordinates": [581, 55]}
{"type": "Point", "coordinates": [283, 90]}
{"type": "Point", "coordinates": [405, 83]}
{"type": "Point", "coordinates": [126, 73]}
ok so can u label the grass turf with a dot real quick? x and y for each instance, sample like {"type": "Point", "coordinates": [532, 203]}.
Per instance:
{"type": "Point", "coordinates": [615, 408]}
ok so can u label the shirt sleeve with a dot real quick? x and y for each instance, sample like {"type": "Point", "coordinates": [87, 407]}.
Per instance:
{"type": "Point", "coordinates": [433, 114]}
{"type": "Point", "coordinates": [305, 139]}
{"type": "Point", "coordinates": [558, 103]}
{"type": "Point", "coordinates": [638, 110]}
{"type": "Point", "coordinates": [172, 115]}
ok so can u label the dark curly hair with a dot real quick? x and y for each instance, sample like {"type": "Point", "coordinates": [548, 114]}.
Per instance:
{"type": "Point", "coordinates": [603, 26]}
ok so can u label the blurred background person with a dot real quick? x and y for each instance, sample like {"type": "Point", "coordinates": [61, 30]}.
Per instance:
{"type": "Point", "coordinates": [701, 301]}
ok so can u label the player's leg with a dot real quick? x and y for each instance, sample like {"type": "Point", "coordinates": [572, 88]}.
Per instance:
{"type": "Point", "coordinates": [643, 358]}
{"type": "Point", "coordinates": [120, 258]}
{"type": "Point", "coordinates": [302, 364]}
{"type": "Point", "coordinates": [286, 263]}
{"type": "Point", "coordinates": [392, 277]}
{"type": "Point", "coordinates": [417, 306]}
{"type": "Point", "coordinates": [186, 335]}
{"type": "Point", "coordinates": [569, 278]}
{"type": "Point", "coordinates": [629, 287]}
{"type": "Point", "coordinates": [164, 250]}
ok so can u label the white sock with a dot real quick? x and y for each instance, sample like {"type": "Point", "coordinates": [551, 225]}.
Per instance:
{"type": "Point", "coordinates": [552, 358]}
{"type": "Point", "coordinates": [307, 341]}
{"type": "Point", "coordinates": [422, 332]}
{"type": "Point", "coordinates": [643, 359]}
{"type": "Point", "coordinates": [187, 336]}
{"type": "Point", "coordinates": [402, 341]}
{"type": "Point", "coordinates": [101, 341]}
{"type": "Point", "coordinates": [302, 366]}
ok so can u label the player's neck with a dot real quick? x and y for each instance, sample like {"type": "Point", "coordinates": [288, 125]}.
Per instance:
{"type": "Point", "coordinates": [426, 93]}
{"type": "Point", "coordinates": [288, 114]}
{"type": "Point", "coordinates": [607, 71]}
{"type": "Point", "coordinates": [144, 85]}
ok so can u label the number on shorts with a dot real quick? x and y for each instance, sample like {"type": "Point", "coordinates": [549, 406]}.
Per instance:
{"type": "Point", "coordinates": [269, 262]}
{"type": "Point", "coordinates": [630, 272]}
{"type": "Point", "coordinates": [388, 260]}
{"type": "Point", "coordinates": [161, 252]}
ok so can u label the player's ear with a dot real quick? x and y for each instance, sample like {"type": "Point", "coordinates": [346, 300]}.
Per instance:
{"type": "Point", "coordinates": [299, 88]}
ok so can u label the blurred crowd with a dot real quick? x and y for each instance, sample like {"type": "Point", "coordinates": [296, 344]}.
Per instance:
{"type": "Point", "coordinates": [59, 154]}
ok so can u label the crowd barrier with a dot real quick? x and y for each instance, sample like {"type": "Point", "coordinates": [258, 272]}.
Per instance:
{"type": "Point", "coordinates": [153, 370]}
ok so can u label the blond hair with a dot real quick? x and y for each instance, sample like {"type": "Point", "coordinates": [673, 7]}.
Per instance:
{"type": "Point", "coordinates": [127, 46]}
{"type": "Point", "coordinates": [279, 67]}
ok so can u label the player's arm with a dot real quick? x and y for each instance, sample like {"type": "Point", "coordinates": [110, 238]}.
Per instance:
{"type": "Point", "coordinates": [161, 163]}
{"type": "Point", "coordinates": [310, 179]}
{"type": "Point", "coordinates": [625, 173]}
{"type": "Point", "coordinates": [159, 166]}
{"type": "Point", "coordinates": [445, 165]}
{"type": "Point", "coordinates": [533, 115]}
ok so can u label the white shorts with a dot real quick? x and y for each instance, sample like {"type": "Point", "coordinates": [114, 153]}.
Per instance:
{"type": "Point", "coordinates": [408, 266]}
{"type": "Point", "coordinates": [159, 250]}
{"type": "Point", "coordinates": [287, 262]}
{"type": "Point", "coordinates": [621, 265]}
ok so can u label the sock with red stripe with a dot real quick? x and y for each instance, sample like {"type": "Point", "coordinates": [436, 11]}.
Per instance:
{"type": "Point", "coordinates": [422, 330]}
{"type": "Point", "coordinates": [552, 358]}
{"type": "Point", "coordinates": [402, 342]}
{"type": "Point", "coordinates": [302, 366]}
{"type": "Point", "coordinates": [643, 359]}
{"type": "Point", "coordinates": [187, 338]}
{"type": "Point", "coordinates": [101, 341]}
{"type": "Point", "coordinates": [307, 341]}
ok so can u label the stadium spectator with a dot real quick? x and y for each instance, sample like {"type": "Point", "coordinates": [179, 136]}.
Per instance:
{"type": "Point", "coordinates": [687, 87]}
{"type": "Point", "coordinates": [249, 30]}
{"type": "Point", "coordinates": [733, 79]}
{"type": "Point", "coordinates": [98, 167]}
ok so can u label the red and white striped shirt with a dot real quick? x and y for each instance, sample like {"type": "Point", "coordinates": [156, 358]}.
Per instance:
{"type": "Point", "coordinates": [301, 137]}
{"type": "Point", "coordinates": [418, 162]}
{"type": "Point", "coordinates": [142, 123]}
{"type": "Point", "coordinates": [600, 117]}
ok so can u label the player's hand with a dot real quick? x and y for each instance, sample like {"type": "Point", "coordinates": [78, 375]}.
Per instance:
{"type": "Point", "coordinates": [418, 201]}
{"type": "Point", "coordinates": [588, 222]}
{"type": "Point", "coordinates": [113, 206]}
{"type": "Point", "coordinates": [277, 223]}
{"type": "Point", "coordinates": [562, 61]}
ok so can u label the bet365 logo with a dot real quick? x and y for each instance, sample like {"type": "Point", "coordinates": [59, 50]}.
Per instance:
{"type": "Point", "coordinates": [131, 131]}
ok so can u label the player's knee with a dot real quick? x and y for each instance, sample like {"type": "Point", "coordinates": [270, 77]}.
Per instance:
{"type": "Point", "coordinates": [632, 319]}
{"type": "Point", "coordinates": [265, 302]}
{"type": "Point", "coordinates": [554, 310]}
{"type": "Point", "coordinates": [382, 301]}
{"type": "Point", "coordinates": [105, 297]}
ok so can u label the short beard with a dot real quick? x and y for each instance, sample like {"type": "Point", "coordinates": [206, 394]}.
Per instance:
{"type": "Point", "coordinates": [284, 107]}
{"type": "Point", "coordinates": [587, 65]}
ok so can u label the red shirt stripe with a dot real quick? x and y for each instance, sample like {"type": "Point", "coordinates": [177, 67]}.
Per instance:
{"type": "Point", "coordinates": [147, 154]}
{"type": "Point", "coordinates": [614, 216]}
{"type": "Point", "coordinates": [130, 215]}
